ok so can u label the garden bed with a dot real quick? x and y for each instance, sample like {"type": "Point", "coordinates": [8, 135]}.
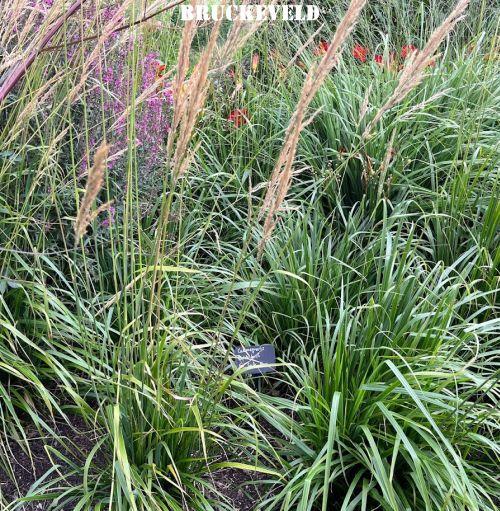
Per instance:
{"type": "Point", "coordinates": [249, 265]}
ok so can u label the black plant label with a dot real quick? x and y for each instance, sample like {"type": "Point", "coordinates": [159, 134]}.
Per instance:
{"type": "Point", "coordinates": [251, 358]}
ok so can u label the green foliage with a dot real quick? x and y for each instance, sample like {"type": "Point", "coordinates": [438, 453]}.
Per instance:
{"type": "Point", "coordinates": [379, 287]}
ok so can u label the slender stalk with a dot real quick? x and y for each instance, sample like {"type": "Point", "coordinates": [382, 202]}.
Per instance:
{"type": "Point", "coordinates": [125, 26]}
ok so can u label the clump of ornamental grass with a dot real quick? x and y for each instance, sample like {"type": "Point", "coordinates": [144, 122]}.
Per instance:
{"type": "Point", "coordinates": [395, 403]}
{"type": "Point", "coordinates": [390, 401]}
{"type": "Point", "coordinates": [190, 94]}
{"type": "Point", "coordinates": [305, 267]}
{"type": "Point", "coordinates": [412, 74]}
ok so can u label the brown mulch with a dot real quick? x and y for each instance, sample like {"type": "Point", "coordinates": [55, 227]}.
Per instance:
{"type": "Point", "coordinates": [233, 484]}
{"type": "Point", "coordinates": [240, 489]}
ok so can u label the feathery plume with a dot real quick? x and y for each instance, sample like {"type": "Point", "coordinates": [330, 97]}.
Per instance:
{"type": "Point", "coordinates": [414, 71]}
{"type": "Point", "coordinates": [95, 181]}
{"type": "Point", "coordinates": [178, 89]}
{"type": "Point", "coordinates": [190, 99]}
{"type": "Point", "coordinates": [282, 173]}
{"type": "Point", "coordinates": [190, 94]}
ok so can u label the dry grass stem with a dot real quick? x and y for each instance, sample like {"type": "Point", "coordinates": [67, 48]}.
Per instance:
{"type": "Point", "coordinates": [282, 173]}
{"type": "Point", "coordinates": [178, 90]}
{"type": "Point", "coordinates": [95, 181]}
{"type": "Point", "coordinates": [40, 98]}
{"type": "Point", "coordinates": [420, 106]}
{"type": "Point", "coordinates": [190, 93]}
{"type": "Point", "coordinates": [38, 35]}
{"type": "Point", "coordinates": [189, 102]}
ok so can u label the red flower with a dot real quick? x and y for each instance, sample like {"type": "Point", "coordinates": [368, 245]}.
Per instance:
{"type": "Point", "coordinates": [407, 50]}
{"type": "Point", "coordinates": [160, 70]}
{"type": "Point", "coordinates": [238, 117]}
{"type": "Point", "coordinates": [322, 48]}
{"type": "Point", "coordinates": [389, 63]}
{"type": "Point", "coordinates": [360, 52]}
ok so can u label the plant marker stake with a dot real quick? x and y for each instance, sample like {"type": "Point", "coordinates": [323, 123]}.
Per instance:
{"type": "Point", "coordinates": [256, 356]}
{"type": "Point", "coordinates": [18, 72]}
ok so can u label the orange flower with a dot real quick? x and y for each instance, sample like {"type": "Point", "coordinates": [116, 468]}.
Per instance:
{"type": "Point", "coordinates": [360, 52]}
{"type": "Point", "coordinates": [160, 70]}
{"type": "Point", "coordinates": [238, 117]}
{"type": "Point", "coordinates": [407, 50]}
{"type": "Point", "coordinates": [322, 48]}
{"type": "Point", "coordinates": [389, 64]}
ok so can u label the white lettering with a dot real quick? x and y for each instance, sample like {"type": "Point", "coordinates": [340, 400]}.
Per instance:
{"type": "Point", "coordinates": [312, 12]}
{"type": "Point", "coordinates": [202, 13]}
{"type": "Point", "coordinates": [260, 12]}
{"type": "Point", "coordinates": [249, 12]}
{"type": "Point", "coordinates": [187, 13]}
{"type": "Point", "coordinates": [273, 12]}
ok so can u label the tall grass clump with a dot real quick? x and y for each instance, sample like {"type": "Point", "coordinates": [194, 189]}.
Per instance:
{"type": "Point", "coordinates": [395, 404]}
{"type": "Point", "coordinates": [173, 190]}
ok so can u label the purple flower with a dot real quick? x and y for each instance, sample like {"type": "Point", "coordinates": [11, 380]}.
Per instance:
{"type": "Point", "coordinates": [110, 219]}
{"type": "Point", "coordinates": [107, 76]}
{"type": "Point", "coordinates": [152, 114]}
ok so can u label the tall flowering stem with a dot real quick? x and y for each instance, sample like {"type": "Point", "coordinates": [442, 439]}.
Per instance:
{"type": "Point", "coordinates": [282, 174]}
{"type": "Point", "coordinates": [110, 105]}
{"type": "Point", "coordinates": [414, 71]}
{"type": "Point", "coordinates": [20, 69]}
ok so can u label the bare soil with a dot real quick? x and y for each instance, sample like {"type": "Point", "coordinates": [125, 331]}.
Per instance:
{"type": "Point", "coordinates": [75, 442]}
